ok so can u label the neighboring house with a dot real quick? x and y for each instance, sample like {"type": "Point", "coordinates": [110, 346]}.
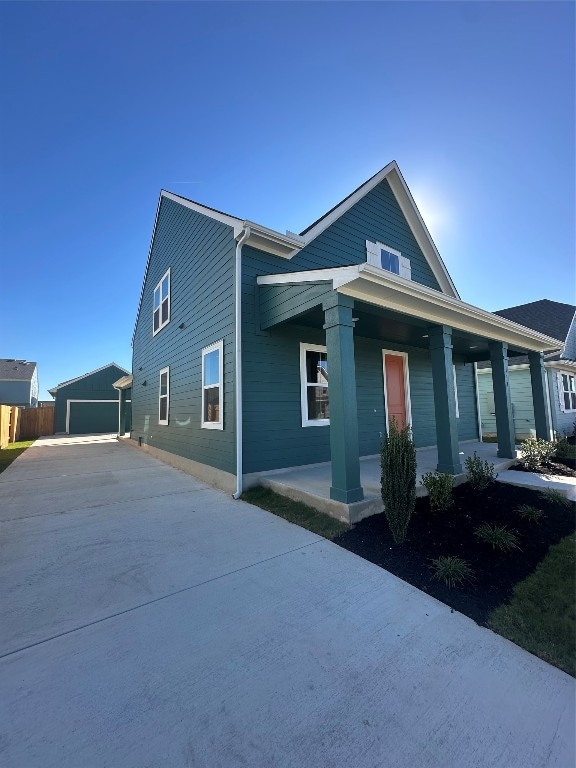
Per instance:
{"type": "Point", "coordinates": [18, 383]}
{"type": "Point", "coordinates": [255, 350]}
{"type": "Point", "coordinates": [89, 403]}
{"type": "Point", "coordinates": [553, 319]}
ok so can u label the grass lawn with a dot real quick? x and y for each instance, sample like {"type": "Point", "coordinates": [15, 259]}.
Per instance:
{"type": "Point", "coordinates": [11, 452]}
{"type": "Point", "coordinates": [295, 512]}
{"type": "Point", "coordinates": [540, 615]}
{"type": "Point", "coordinates": [508, 590]}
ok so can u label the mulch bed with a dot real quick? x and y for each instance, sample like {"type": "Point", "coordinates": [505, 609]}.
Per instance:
{"type": "Point", "coordinates": [452, 533]}
{"type": "Point", "coordinates": [556, 466]}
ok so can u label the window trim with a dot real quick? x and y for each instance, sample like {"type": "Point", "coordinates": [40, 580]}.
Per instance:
{"type": "Point", "coordinates": [306, 422]}
{"type": "Point", "coordinates": [166, 370]}
{"type": "Point", "coordinates": [159, 287]}
{"type": "Point", "coordinates": [456, 390]}
{"type": "Point", "coordinates": [219, 345]}
{"type": "Point", "coordinates": [569, 392]}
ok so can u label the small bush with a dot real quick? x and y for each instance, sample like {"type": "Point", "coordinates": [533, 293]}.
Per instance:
{"type": "Point", "coordinates": [531, 514]}
{"type": "Point", "coordinates": [481, 474]}
{"type": "Point", "coordinates": [499, 536]}
{"type": "Point", "coordinates": [564, 450]}
{"type": "Point", "coordinates": [439, 486]}
{"type": "Point", "coordinates": [453, 571]}
{"type": "Point", "coordinates": [535, 452]}
{"type": "Point", "coordinates": [398, 479]}
{"type": "Point", "coordinates": [555, 498]}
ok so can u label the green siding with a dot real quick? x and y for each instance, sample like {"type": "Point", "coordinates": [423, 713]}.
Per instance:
{"type": "Point", "coordinates": [91, 418]}
{"type": "Point", "coordinates": [97, 386]}
{"type": "Point", "coordinates": [520, 394]}
{"type": "Point", "coordinates": [200, 254]}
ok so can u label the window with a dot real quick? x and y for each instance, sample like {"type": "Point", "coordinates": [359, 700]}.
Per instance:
{"type": "Point", "coordinates": [164, 396]}
{"type": "Point", "coordinates": [456, 391]}
{"type": "Point", "coordinates": [389, 259]}
{"type": "Point", "coordinates": [314, 385]}
{"type": "Point", "coordinates": [212, 369]}
{"type": "Point", "coordinates": [161, 304]}
{"type": "Point", "coordinates": [568, 391]}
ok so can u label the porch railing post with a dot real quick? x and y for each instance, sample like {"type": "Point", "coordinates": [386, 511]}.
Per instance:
{"type": "Point", "coordinates": [502, 402]}
{"type": "Point", "coordinates": [538, 379]}
{"type": "Point", "coordinates": [440, 342]}
{"type": "Point", "coordinates": [344, 443]}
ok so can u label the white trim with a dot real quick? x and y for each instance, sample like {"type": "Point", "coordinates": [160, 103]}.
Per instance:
{"type": "Point", "coordinates": [477, 393]}
{"type": "Point", "coordinates": [219, 345]}
{"type": "Point", "coordinates": [568, 334]}
{"type": "Point", "coordinates": [124, 382]}
{"type": "Point", "coordinates": [78, 400]}
{"type": "Point", "coordinates": [84, 376]}
{"type": "Point", "coordinates": [374, 255]}
{"type": "Point", "coordinates": [223, 218]}
{"type": "Point", "coordinates": [455, 390]}
{"type": "Point", "coordinates": [166, 370]}
{"type": "Point", "coordinates": [386, 289]}
{"type": "Point", "coordinates": [306, 422]}
{"type": "Point", "coordinates": [158, 287]}
{"type": "Point", "coordinates": [407, 398]}
{"type": "Point", "coordinates": [562, 392]}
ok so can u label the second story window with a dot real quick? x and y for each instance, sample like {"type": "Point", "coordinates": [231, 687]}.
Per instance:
{"type": "Point", "coordinates": [162, 303]}
{"type": "Point", "coordinates": [389, 259]}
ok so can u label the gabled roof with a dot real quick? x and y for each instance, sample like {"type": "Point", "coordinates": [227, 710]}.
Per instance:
{"type": "Point", "coordinates": [289, 244]}
{"type": "Point", "coordinates": [85, 376]}
{"type": "Point", "coordinates": [16, 370]}
{"type": "Point", "coordinates": [551, 318]}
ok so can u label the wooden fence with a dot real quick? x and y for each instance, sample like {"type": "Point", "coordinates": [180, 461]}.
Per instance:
{"type": "Point", "coordinates": [24, 423]}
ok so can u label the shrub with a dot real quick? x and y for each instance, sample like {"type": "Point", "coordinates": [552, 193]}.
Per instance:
{"type": "Point", "coordinates": [564, 450]}
{"type": "Point", "coordinates": [453, 571]}
{"type": "Point", "coordinates": [481, 474]}
{"type": "Point", "coordinates": [532, 514]}
{"type": "Point", "coordinates": [398, 479]}
{"type": "Point", "coordinates": [536, 452]}
{"type": "Point", "coordinates": [555, 498]}
{"type": "Point", "coordinates": [439, 486]}
{"type": "Point", "coordinates": [499, 536]}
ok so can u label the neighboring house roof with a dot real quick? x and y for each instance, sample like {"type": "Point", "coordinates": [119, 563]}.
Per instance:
{"type": "Point", "coordinates": [16, 370]}
{"type": "Point", "coordinates": [84, 376]}
{"type": "Point", "coordinates": [552, 318]}
{"type": "Point", "coordinates": [289, 244]}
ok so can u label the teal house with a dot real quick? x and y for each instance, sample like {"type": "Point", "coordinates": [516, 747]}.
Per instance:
{"type": "Point", "coordinates": [554, 319]}
{"type": "Point", "coordinates": [89, 404]}
{"type": "Point", "coordinates": [256, 350]}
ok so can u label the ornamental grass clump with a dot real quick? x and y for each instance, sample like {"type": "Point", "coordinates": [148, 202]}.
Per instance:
{"type": "Point", "coordinates": [481, 474]}
{"type": "Point", "coordinates": [536, 452]}
{"type": "Point", "coordinates": [439, 486]}
{"type": "Point", "coordinates": [531, 514]}
{"type": "Point", "coordinates": [453, 571]}
{"type": "Point", "coordinates": [499, 536]}
{"type": "Point", "coordinates": [398, 479]}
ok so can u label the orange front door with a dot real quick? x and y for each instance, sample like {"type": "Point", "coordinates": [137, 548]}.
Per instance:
{"type": "Point", "coordinates": [395, 389]}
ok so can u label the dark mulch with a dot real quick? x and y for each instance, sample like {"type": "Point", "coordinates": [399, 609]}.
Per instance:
{"type": "Point", "coordinates": [452, 533]}
{"type": "Point", "coordinates": [556, 466]}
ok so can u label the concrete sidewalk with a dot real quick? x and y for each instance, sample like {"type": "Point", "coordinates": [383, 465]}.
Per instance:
{"type": "Point", "coordinates": [149, 620]}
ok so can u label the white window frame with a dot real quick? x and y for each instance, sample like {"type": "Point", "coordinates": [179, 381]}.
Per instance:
{"type": "Point", "coordinates": [159, 288]}
{"type": "Point", "coordinates": [167, 395]}
{"type": "Point", "coordinates": [219, 345]}
{"type": "Point", "coordinates": [563, 391]}
{"type": "Point", "coordinates": [373, 258]}
{"type": "Point", "coordinates": [306, 422]}
{"type": "Point", "coordinates": [456, 391]}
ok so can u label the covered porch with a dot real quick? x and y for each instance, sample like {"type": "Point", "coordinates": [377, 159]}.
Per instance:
{"type": "Point", "coordinates": [349, 303]}
{"type": "Point", "coordinates": [311, 484]}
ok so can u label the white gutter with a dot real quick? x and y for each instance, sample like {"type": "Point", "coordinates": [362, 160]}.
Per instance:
{"type": "Point", "coordinates": [238, 357]}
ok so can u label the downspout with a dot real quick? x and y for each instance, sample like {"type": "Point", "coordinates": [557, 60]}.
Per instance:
{"type": "Point", "coordinates": [238, 357]}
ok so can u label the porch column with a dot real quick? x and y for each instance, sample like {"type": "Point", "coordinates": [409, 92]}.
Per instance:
{"type": "Point", "coordinates": [344, 445]}
{"type": "Point", "coordinates": [122, 413]}
{"type": "Point", "coordinates": [502, 402]}
{"type": "Point", "coordinates": [539, 390]}
{"type": "Point", "coordinates": [440, 341]}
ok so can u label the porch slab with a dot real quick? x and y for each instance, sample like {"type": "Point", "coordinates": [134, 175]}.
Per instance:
{"type": "Point", "coordinates": [310, 484]}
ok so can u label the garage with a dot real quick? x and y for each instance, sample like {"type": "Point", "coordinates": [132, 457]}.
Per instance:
{"type": "Point", "coordinates": [88, 404]}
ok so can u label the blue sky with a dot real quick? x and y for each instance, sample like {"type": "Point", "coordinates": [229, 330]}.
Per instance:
{"type": "Point", "coordinates": [273, 112]}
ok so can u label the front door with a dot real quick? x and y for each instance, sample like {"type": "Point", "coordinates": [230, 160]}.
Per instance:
{"type": "Point", "coordinates": [396, 388]}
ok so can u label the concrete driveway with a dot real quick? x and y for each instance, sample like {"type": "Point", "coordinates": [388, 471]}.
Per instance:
{"type": "Point", "coordinates": [148, 620]}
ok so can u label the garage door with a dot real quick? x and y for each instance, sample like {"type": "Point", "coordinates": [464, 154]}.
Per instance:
{"type": "Point", "coordinates": [87, 417]}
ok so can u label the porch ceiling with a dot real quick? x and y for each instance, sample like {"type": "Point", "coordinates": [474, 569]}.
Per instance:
{"type": "Point", "coordinates": [390, 307]}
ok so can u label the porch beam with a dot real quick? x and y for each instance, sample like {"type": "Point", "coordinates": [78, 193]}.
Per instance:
{"type": "Point", "coordinates": [440, 343]}
{"type": "Point", "coordinates": [539, 392]}
{"type": "Point", "coordinates": [344, 443]}
{"type": "Point", "coordinates": [502, 401]}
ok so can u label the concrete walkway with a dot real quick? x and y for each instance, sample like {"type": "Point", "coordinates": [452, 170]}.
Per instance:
{"type": "Point", "coordinates": [147, 621]}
